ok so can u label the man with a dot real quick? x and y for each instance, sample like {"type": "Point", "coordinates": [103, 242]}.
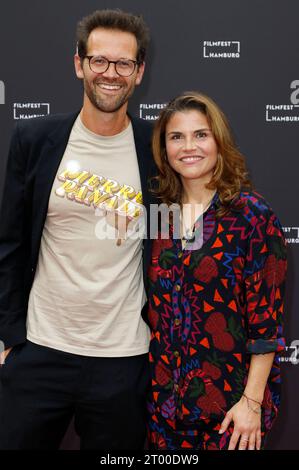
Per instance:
{"type": "Point", "coordinates": [71, 298]}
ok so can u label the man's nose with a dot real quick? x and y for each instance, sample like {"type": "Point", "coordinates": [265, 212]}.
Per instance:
{"type": "Point", "coordinates": [111, 71]}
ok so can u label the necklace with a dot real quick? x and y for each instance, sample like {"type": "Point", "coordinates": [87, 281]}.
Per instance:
{"type": "Point", "coordinates": [188, 232]}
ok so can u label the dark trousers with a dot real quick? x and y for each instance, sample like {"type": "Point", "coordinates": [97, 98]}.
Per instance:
{"type": "Point", "coordinates": [42, 389]}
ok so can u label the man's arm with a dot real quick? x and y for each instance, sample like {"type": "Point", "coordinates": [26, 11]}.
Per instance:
{"type": "Point", "coordinates": [13, 256]}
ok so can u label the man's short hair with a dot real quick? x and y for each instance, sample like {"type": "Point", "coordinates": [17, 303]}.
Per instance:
{"type": "Point", "coordinates": [113, 19]}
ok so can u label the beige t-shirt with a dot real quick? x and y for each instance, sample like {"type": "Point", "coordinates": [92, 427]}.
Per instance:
{"type": "Point", "coordinates": [88, 290]}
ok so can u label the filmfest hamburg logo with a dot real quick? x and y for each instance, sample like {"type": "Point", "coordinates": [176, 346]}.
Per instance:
{"type": "Point", "coordinates": [291, 235]}
{"type": "Point", "coordinates": [291, 353]}
{"type": "Point", "coordinates": [2, 92]}
{"type": "Point", "coordinates": [150, 111]}
{"type": "Point", "coordinates": [221, 49]}
{"type": "Point", "coordinates": [30, 110]}
{"type": "Point", "coordinates": [285, 113]}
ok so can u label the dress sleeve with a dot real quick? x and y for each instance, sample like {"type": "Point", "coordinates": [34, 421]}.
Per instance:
{"type": "Point", "coordinates": [265, 273]}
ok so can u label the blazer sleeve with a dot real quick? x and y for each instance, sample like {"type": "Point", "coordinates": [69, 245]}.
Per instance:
{"type": "Point", "coordinates": [265, 270]}
{"type": "Point", "coordinates": [12, 247]}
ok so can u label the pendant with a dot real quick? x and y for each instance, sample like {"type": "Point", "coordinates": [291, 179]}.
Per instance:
{"type": "Point", "coordinates": [189, 236]}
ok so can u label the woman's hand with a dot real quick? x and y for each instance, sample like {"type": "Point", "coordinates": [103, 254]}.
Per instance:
{"type": "Point", "coordinates": [247, 425]}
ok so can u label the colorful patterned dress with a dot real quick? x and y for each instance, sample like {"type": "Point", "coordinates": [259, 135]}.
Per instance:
{"type": "Point", "coordinates": [209, 310]}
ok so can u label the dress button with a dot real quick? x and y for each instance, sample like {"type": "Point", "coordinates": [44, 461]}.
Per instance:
{"type": "Point", "coordinates": [180, 254]}
{"type": "Point", "coordinates": [176, 387]}
{"type": "Point", "coordinates": [178, 288]}
{"type": "Point", "coordinates": [176, 354]}
{"type": "Point", "coordinates": [177, 321]}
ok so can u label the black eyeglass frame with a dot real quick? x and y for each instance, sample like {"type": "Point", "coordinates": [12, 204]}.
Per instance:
{"type": "Point", "coordinates": [115, 62]}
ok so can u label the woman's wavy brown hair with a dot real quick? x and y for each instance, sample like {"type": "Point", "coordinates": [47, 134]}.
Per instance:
{"type": "Point", "coordinates": [230, 175]}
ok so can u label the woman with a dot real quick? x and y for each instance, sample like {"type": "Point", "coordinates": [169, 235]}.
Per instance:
{"type": "Point", "coordinates": [215, 292]}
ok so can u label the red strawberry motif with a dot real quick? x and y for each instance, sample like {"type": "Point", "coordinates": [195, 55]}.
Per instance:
{"type": "Point", "coordinates": [162, 374]}
{"type": "Point", "coordinates": [224, 342]}
{"type": "Point", "coordinates": [212, 402]}
{"type": "Point", "coordinates": [152, 273]}
{"type": "Point", "coordinates": [215, 323]}
{"type": "Point", "coordinates": [206, 270]}
{"type": "Point", "coordinates": [274, 271]}
{"type": "Point", "coordinates": [216, 326]}
{"type": "Point", "coordinates": [153, 317]}
{"type": "Point", "coordinates": [211, 370]}
{"type": "Point", "coordinates": [159, 245]}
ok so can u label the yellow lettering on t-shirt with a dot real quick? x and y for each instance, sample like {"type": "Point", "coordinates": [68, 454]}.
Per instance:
{"type": "Point", "coordinates": [138, 198]}
{"type": "Point", "coordinates": [83, 177]}
{"type": "Point", "coordinates": [96, 198]}
{"type": "Point", "coordinates": [127, 192]}
{"type": "Point", "coordinates": [111, 186]}
{"type": "Point", "coordinates": [112, 202]}
{"type": "Point", "coordinates": [68, 175]}
{"type": "Point", "coordinates": [81, 194]}
{"type": "Point", "coordinates": [129, 209]}
{"type": "Point", "coordinates": [94, 182]}
{"type": "Point", "coordinates": [69, 188]}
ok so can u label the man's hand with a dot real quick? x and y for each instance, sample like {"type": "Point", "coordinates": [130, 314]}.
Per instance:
{"type": "Point", "coordinates": [4, 355]}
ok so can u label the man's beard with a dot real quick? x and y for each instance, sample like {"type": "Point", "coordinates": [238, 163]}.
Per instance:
{"type": "Point", "coordinates": [107, 104]}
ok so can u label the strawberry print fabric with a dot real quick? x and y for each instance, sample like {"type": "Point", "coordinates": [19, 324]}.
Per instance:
{"type": "Point", "coordinates": [209, 310]}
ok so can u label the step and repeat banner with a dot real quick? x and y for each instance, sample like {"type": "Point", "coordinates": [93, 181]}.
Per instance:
{"type": "Point", "coordinates": [244, 54]}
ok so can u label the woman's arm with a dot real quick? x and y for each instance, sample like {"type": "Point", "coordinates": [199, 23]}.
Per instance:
{"type": "Point", "coordinates": [264, 283]}
{"type": "Point", "coordinates": [260, 367]}
{"type": "Point", "coordinates": [246, 414]}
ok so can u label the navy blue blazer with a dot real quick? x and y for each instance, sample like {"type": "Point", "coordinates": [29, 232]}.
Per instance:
{"type": "Point", "coordinates": [37, 147]}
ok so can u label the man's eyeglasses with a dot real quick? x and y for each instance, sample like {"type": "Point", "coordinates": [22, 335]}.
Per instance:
{"type": "Point", "coordinates": [123, 67]}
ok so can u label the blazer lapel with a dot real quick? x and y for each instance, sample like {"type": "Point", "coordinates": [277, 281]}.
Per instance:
{"type": "Point", "coordinates": [142, 138]}
{"type": "Point", "coordinates": [49, 161]}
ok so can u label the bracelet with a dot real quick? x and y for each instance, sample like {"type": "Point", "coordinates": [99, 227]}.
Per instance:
{"type": "Point", "coordinates": [251, 399]}
{"type": "Point", "coordinates": [255, 410]}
